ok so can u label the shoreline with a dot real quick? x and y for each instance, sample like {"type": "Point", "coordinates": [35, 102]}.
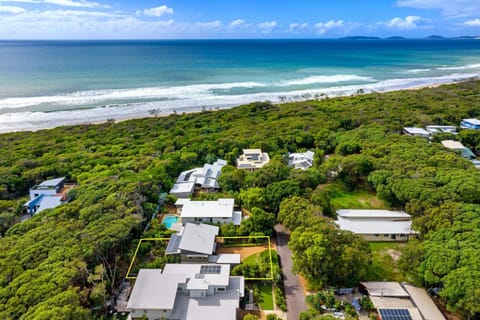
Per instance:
{"type": "Point", "coordinates": [192, 110]}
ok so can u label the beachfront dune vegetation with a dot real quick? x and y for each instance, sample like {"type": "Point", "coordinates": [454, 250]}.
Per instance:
{"type": "Point", "coordinates": [65, 263]}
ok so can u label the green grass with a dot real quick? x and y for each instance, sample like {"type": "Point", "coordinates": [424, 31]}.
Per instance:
{"type": "Point", "coordinates": [359, 199]}
{"type": "Point", "coordinates": [266, 297]}
{"type": "Point", "coordinates": [383, 266]}
{"type": "Point", "coordinates": [383, 246]}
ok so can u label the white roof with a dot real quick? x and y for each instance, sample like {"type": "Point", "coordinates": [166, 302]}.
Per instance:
{"type": "Point", "coordinates": [185, 187]}
{"type": "Point", "coordinates": [205, 176]}
{"type": "Point", "coordinates": [384, 289]}
{"type": "Point", "coordinates": [371, 213]}
{"type": "Point", "coordinates": [228, 258]}
{"type": "Point", "coordinates": [454, 145]}
{"type": "Point", "coordinates": [424, 303]}
{"type": "Point", "coordinates": [252, 159]}
{"type": "Point", "coordinates": [257, 151]}
{"type": "Point", "coordinates": [154, 290]}
{"type": "Point", "coordinates": [222, 208]}
{"type": "Point", "coordinates": [237, 218]}
{"type": "Point", "coordinates": [376, 226]}
{"type": "Point", "coordinates": [44, 201]}
{"type": "Point", "coordinates": [220, 306]}
{"type": "Point", "coordinates": [415, 130]}
{"type": "Point", "coordinates": [440, 128]}
{"type": "Point", "coordinates": [198, 238]}
{"type": "Point", "coordinates": [472, 121]}
{"type": "Point", "coordinates": [52, 182]}
{"type": "Point", "coordinates": [199, 279]}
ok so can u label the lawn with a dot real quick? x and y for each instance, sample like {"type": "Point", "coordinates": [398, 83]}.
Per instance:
{"type": "Point", "coordinates": [384, 262]}
{"type": "Point", "coordinates": [266, 297]}
{"type": "Point", "coordinates": [360, 199]}
{"type": "Point", "coordinates": [383, 246]}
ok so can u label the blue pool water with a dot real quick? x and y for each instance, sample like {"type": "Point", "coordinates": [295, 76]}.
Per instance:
{"type": "Point", "coordinates": [169, 221]}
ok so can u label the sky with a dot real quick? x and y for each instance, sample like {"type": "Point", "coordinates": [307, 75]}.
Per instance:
{"type": "Point", "coordinates": [233, 19]}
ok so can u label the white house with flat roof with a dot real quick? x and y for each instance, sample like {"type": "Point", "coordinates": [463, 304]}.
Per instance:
{"type": "Point", "coordinates": [204, 178]}
{"type": "Point", "coordinates": [395, 300]}
{"type": "Point", "coordinates": [433, 129]}
{"type": "Point", "coordinates": [470, 124]}
{"type": "Point", "coordinates": [252, 159]}
{"type": "Point", "coordinates": [217, 212]}
{"type": "Point", "coordinates": [301, 161]}
{"type": "Point", "coordinates": [416, 132]}
{"type": "Point", "coordinates": [377, 225]}
{"type": "Point", "coordinates": [186, 292]}
{"type": "Point", "coordinates": [47, 195]}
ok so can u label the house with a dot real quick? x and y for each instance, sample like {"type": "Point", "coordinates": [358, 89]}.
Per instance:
{"type": "Point", "coordinates": [196, 243]}
{"type": "Point", "coordinates": [186, 292]}
{"type": "Point", "coordinates": [48, 194]}
{"type": "Point", "coordinates": [433, 129]}
{"type": "Point", "coordinates": [204, 178]}
{"type": "Point", "coordinates": [416, 132]}
{"type": "Point", "coordinates": [218, 212]}
{"type": "Point", "coordinates": [459, 148]}
{"type": "Point", "coordinates": [301, 161]}
{"type": "Point", "coordinates": [252, 159]}
{"type": "Point", "coordinates": [470, 124]}
{"type": "Point", "coordinates": [377, 225]}
{"type": "Point", "coordinates": [401, 301]}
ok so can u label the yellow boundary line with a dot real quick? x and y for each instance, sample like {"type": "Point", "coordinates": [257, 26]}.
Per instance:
{"type": "Point", "coordinates": [237, 237]}
{"type": "Point", "coordinates": [135, 255]}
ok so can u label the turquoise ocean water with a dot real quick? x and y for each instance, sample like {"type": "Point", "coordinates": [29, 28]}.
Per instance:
{"type": "Point", "coordinates": [50, 83]}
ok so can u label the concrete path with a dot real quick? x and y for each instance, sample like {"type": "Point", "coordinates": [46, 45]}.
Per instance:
{"type": "Point", "coordinates": [294, 292]}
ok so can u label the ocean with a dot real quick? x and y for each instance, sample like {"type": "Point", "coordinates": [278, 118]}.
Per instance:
{"type": "Point", "coordinates": [45, 84]}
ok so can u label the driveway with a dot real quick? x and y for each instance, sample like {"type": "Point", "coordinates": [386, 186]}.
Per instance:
{"type": "Point", "coordinates": [293, 287]}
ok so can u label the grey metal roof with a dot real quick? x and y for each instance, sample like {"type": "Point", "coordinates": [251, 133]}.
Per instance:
{"type": "Point", "coordinates": [384, 289]}
{"type": "Point", "coordinates": [154, 290]}
{"type": "Point", "coordinates": [52, 182]}
{"type": "Point", "coordinates": [376, 226]}
{"type": "Point", "coordinates": [173, 243]}
{"type": "Point", "coordinates": [220, 306]}
{"type": "Point", "coordinates": [424, 303]}
{"type": "Point", "coordinates": [199, 238]}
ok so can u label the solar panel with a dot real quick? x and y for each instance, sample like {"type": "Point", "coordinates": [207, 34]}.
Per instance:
{"type": "Point", "coordinates": [210, 269]}
{"type": "Point", "coordinates": [395, 314]}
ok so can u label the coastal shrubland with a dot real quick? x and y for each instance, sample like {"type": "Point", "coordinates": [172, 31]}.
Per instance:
{"type": "Point", "coordinates": [66, 262]}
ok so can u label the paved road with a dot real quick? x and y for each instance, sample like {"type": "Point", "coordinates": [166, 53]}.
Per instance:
{"type": "Point", "coordinates": [293, 287]}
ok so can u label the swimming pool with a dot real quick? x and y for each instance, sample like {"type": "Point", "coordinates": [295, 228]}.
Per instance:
{"type": "Point", "coordinates": [169, 220]}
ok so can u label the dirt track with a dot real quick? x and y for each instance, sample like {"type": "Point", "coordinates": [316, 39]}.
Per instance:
{"type": "Point", "coordinates": [244, 251]}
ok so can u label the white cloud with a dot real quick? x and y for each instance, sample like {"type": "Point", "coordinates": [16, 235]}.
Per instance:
{"type": "Point", "coordinates": [77, 4]}
{"type": "Point", "coordinates": [11, 9]}
{"type": "Point", "coordinates": [267, 26]}
{"type": "Point", "coordinates": [23, 1]}
{"type": "Point", "coordinates": [157, 11]}
{"type": "Point", "coordinates": [448, 7]}
{"type": "Point", "coordinates": [64, 3]}
{"type": "Point", "coordinates": [238, 23]}
{"type": "Point", "coordinates": [472, 23]}
{"type": "Point", "coordinates": [297, 26]}
{"type": "Point", "coordinates": [407, 23]}
{"type": "Point", "coordinates": [324, 27]}
{"type": "Point", "coordinates": [210, 25]}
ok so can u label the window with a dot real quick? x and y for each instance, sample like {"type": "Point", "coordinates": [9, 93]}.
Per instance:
{"type": "Point", "coordinates": [221, 289]}
{"type": "Point", "coordinates": [376, 235]}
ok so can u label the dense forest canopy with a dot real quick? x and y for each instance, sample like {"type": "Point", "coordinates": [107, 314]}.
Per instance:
{"type": "Point", "coordinates": [63, 263]}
